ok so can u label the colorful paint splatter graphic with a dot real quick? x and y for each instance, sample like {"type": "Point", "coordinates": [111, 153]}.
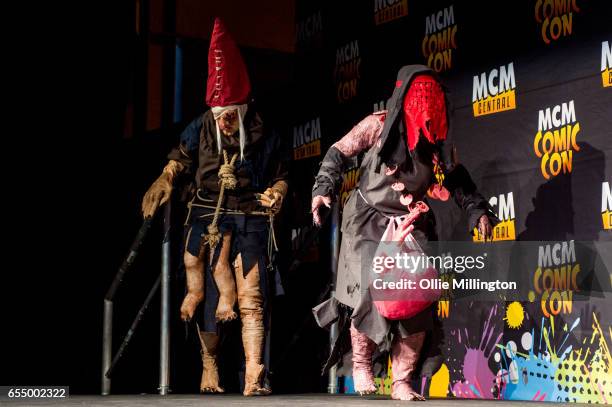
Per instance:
{"type": "Point", "coordinates": [478, 379]}
{"type": "Point", "coordinates": [514, 314]}
{"type": "Point", "coordinates": [558, 370]}
{"type": "Point", "coordinates": [517, 354]}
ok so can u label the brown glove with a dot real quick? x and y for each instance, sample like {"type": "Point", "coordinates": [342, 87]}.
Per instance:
{"type": "Point", "coordinates": [159, 192]}
{"type": "Point", "coordinates": [273, 197]}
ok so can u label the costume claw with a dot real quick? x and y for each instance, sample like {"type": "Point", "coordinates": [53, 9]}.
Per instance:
{"type": "Point", "coordinates": [225, 316]}
{"type": "Point", "coordinates": [189, 306]}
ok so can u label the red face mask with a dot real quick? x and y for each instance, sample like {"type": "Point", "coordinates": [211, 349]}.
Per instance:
{"type": "Point", "coordinates": [425, 111]}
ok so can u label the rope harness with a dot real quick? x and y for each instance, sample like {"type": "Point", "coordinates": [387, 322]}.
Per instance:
{"type": "Point", "coordinates": [227, 180]}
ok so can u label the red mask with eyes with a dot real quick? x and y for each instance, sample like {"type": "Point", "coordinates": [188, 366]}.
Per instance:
{"type": "Point", "coordinates": [425, 111]}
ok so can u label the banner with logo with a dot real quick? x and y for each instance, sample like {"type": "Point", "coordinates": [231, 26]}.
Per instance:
{"type": "Point", "coordinates": [530, 84]}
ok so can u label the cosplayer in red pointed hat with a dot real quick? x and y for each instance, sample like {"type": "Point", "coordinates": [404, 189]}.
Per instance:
{"type": "Point", "coordinates": [228, 85]}
{"type": "Point", "coordinates": [228, 80]}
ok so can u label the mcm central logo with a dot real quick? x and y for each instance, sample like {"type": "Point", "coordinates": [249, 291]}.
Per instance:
{"type": "Point", "coordinates": [504, 230]}
{"type": "Point", "coordinates": [494, 91]}
{"type": "Point", "coordinates": [347, 71]}
{"type": "Point", "coordinates": [556, 18]}
{"type": "Point", "coordinates": [307, 139]}
{"type": "Point", "coordinates": [555, 141]}
{"type": "Point", "coordinates": [606, 64]}
{"type": "Point", "coordinates": [440, 39]}
{"type": "Point", "coordinates": [555, 279]}
{"type": "Point", "coordinates": [606, 205]}
{"type": "Point", "coordinates": [389, 10]}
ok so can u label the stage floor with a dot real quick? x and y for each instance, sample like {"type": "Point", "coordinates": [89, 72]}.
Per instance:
{"type": "Point", "coordinates": [294, 400]}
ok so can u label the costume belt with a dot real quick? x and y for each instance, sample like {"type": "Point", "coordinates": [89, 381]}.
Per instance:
{"type": "Point", "coordinates": [218, 209]}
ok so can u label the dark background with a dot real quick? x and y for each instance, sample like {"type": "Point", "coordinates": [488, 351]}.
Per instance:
{"type": "Point", "coordinates": [95, 121]}
{"type": "Point", "coordinates": [95, 129]}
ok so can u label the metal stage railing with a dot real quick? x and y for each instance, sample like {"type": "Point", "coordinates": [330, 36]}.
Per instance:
{"type": "Point", "coordinates": [332, 384]}
{"type": "Point", "coordinates": [108, 361]}
{"type": "Point", "coordinates": [164, 329]}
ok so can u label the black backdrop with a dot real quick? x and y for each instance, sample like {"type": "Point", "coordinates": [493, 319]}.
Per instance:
{"type": "Point", "coordinates": [348, 56]}
{"type": "Point", "coordinates": [74, 159]}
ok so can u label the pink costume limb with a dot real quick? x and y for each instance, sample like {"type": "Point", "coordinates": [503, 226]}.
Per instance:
{"type": "Point", "coordinates": [361, 137]}
{"type": "Point", "coordinates": [363, 348]}
{"type": "Point", "coordinates": [404, 358]}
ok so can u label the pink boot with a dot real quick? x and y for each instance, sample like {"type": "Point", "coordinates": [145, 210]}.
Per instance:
{"type": "Point", "coordinates": [363, 347]}
{"type": "Point", "coordinates": [404, 357]}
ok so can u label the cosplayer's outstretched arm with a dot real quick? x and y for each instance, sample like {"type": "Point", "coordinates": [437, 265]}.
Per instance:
{"type": "Point", "coordinates": [459, 182]}
{"type": "Point", "coordinates": [180, 161]}
{"type": "Point", "coordinates": [329, 179]}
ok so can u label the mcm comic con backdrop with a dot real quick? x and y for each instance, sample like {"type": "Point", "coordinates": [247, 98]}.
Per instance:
{"type": "Point", "coordinates": [530, 84]}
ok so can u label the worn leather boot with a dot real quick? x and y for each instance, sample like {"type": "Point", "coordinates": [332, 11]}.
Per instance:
{"type": "Point", "coordinates": [404, 357]}
{"type": "Point", "coordinates": [210, 371]}
{"type": "Point", "coordinates": [250, 302]}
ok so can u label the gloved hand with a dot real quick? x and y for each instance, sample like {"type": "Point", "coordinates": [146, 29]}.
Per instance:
{"type": "Point", "coordinates": [317, 202]}
{"type": "Point", "coordinates": [273, 197]}
{"type": "Point", "coordinates": [159, 192]}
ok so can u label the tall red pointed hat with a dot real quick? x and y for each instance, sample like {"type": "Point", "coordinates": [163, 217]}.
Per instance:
{"type": "Point", "coordinates": [228, 80]}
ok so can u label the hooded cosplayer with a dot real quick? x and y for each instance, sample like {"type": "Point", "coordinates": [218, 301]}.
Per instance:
{"type": "Point", "coordinates": [403, 164]}
{"type": "Point", "coordinates": [232, 160]}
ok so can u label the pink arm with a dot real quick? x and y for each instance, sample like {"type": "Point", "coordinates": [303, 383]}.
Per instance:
{"type": "Point", "coordinates": [363, 136]}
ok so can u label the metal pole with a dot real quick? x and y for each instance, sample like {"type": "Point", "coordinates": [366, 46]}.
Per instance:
{"type": "Point", "coordinates": [164, 342]}
{"type": "Point", "coordinates": [332, 384]}
{"type": "Point", "coordinates": [107, 345]}
{"type": "Point", "coordinates": [178, 83]}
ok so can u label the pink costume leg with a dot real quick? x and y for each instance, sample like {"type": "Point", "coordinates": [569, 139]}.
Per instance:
{"type": "Point", "coordinates": [404, 357]}
{"type": "Point", "coordinates": [363, 347]}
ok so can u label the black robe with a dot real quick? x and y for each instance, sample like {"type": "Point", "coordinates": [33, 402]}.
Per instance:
{"type": "Point", "coordinates": [365, 218]}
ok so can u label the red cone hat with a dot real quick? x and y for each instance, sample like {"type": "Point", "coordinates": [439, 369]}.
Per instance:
{"type": "Point", "coordinates": [228, 80]}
